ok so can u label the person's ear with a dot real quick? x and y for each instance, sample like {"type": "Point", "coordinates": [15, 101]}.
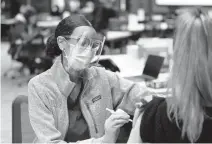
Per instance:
{"type": "Point", "coordinates": [61, 42]}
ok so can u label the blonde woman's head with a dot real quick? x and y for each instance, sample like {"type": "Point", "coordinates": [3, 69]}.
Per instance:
{"type": "Point", "coordinates": [192, 72]}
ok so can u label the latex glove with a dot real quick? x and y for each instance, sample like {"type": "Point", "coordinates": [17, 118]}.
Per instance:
{"type": "Point", "coordinates": [113, 125]}
{"type": "Point", "coordinates": [120, 111]}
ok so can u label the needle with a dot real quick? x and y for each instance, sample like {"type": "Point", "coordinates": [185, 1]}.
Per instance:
{"type": "Point", "coordinates": [112, 111]}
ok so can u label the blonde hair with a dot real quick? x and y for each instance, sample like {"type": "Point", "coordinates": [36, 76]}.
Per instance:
{"type": "Point", "coordinates": [191, 81]}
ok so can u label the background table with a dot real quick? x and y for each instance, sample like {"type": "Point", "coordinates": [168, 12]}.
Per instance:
{"type": "Point", "coordinates": [131, 67]}
{"type": "Point", "coordinates": [48, 24]}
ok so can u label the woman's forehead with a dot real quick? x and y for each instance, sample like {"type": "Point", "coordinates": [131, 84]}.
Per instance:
{"type": "Point", "coordinates": [89, 32]}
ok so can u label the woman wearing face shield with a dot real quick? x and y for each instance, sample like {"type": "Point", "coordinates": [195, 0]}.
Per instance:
{"type": "Point", "coordinates": [68, 102]}
{"type": "Point", "coordinates": [186, 116]}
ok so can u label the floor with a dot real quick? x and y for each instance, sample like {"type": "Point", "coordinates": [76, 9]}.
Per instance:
{"type": "Point", "coordinates": [9, 90]}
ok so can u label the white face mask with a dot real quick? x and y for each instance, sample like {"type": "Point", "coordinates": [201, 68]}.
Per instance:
{"type": "Point", "coordinates": [79, 58]}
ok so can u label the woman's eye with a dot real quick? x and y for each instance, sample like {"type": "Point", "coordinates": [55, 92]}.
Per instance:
{"type": "Point", "coordinates": [85, 42]}
{"type": "Point", "coordinates": [96, 45]}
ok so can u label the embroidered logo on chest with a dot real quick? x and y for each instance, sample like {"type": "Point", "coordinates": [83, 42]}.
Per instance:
{"type": "Point", "coordinates": [96, 98]}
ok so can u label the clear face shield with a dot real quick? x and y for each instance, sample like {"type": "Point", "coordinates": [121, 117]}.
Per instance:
{"type": "Point", "coordinates": [82, 51]}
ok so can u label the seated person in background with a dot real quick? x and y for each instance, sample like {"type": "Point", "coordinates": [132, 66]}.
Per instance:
{"type": "Point", "coordinates": [103, 11]}
{"type": "Point", "coordinates": [57, 7]}
{"type": "Point", "coordinates": [28, 18]}
{"type": "Point", "coordinates": [25, 28]}
{"type": "Point", "coordinates": [20, 16]}
{"type": "Point", "coordinates": [87, 10]}
{"type": "Point", "coordinates": [24, 34]}
{"type": "Point", "coordinates": [31, 18]}
{"type": "Point", "coordinates": [68, 102]}
{"type": "Point", "coordinates": [186, 116]}
{"type": "Point", "coordinates": [55, 11]}
{"type": "Point", "coordinates": [72, 8]}
{"type": "Point", "coordinates": [27, 21]}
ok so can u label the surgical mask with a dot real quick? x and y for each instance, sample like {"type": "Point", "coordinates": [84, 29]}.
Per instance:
{"type": "Point", "coordinates": [79, 57]}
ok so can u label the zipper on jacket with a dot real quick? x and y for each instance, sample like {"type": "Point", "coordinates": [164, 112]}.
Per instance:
{"type": "Point", "coordinates": [82, 105]}
{"type": "Point", "coordinates": [95, 126]}
{"type": "Point", "coordinates": [67, 126]}
{"type": "Point", "coordinates": [84, 114]}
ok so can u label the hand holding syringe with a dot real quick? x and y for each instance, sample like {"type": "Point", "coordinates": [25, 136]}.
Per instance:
{"type": "Point", "coordinates": [113, 124]}
{"type": "Point", "coordinates": [112, 111]}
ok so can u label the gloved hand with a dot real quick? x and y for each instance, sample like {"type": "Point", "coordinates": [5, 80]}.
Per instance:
{"type": "Point", "coordinates": [113, 124]}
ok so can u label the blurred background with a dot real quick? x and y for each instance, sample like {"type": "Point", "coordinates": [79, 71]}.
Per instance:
{"type": "Point", "coordinates": [133, 29]}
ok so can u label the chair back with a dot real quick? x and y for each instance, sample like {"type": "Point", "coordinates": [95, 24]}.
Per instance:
{"type": "Point", "coordinates": [22, 131]}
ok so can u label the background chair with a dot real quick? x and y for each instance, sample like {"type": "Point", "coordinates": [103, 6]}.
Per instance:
{"type": "Point", "coordinates": [22, 131]}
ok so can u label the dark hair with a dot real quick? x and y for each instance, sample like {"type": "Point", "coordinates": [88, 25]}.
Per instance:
{"type": "Point", "coordinates": [65, 27]}
{"type": "Point", "coordinates": [29, 11]}
{"type": "Point", "coordinates": [56, 12]}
